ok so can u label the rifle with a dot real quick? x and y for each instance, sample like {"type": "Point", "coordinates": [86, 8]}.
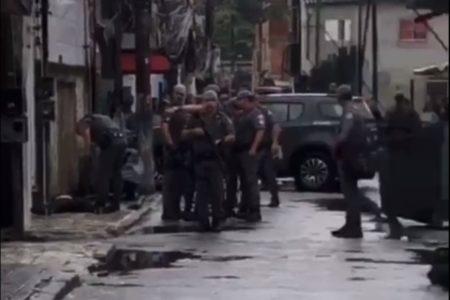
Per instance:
{"type": "Point", "coordinates": [213, 144]}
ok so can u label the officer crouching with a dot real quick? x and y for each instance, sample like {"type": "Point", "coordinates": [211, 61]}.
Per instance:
{"type": "Point", "coordinates": [103, 132]}
{"type": "Point", "coordinates": [207, 132]}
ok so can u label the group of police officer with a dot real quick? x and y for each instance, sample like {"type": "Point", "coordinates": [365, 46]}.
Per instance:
{"type": "Point", "coordinates": [212, 145]}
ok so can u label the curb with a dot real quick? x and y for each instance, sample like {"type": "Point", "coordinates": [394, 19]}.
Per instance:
{"type": "Point", "coordinates": [58, 288]}
{"type": "Point", "coordinates": [133, 218]}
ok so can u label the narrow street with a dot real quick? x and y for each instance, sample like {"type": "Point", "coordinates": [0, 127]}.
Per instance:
{"type": "Point", "coordinates": [291, 255]}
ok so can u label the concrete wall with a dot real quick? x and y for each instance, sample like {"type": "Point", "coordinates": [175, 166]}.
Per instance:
{"type": "Point", "coordinates": [396, 60]}
{"type": "Point", "coordinates": [67, 37]}
{"type": "Point", "coordinates": [29, 152]}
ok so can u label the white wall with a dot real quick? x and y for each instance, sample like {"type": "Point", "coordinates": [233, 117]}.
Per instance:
{"type": "Point", "coordinates": [396, 60]}
{"type": "Point", "coordinates": [66, 32]}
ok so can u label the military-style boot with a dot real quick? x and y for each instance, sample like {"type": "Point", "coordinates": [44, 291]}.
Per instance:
{"type": "Point", "coordinates": [351, 230]}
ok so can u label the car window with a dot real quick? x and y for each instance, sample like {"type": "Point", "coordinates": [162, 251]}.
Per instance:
{"type": "Point", "coordinates": [279, 111]}
{"type": "Point", "coordinates": [331, 110]}
{"type": "Point", "coordinates": [295, 111]}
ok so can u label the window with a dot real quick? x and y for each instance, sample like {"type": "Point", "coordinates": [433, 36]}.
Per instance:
{"type": "Point", "coordinates": [331, 110]}
{"type": "Point", "coordinates": [410, 31]}
{"type": "Point", "coordinates": [279, 111]}
{"type": "Point", "coordinates": [338, 30]}
{"type": "Point", "coordinates": [295, 111]}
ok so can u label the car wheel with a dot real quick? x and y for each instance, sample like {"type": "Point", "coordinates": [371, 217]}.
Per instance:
{"type": "Point", "coordinates": [314, 172]}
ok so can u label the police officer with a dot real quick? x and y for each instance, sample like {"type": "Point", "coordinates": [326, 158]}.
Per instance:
{"type": "Point", "coordinates": [346, 150]}
{"type": "Point", "coordinates": [232, 164]}
{"type": "Point", "coordinates": [207, 132]}
{"type": "Point", "coordinates": [250, 127]}
{"type": "Point", "coordinates": [175, 178]}
{"type": "Point", "coordinates": [270, 148]}
{"type": "Point", "coordinates": [104, 133]}
{"type": "Point", "coordinates": [402, 127]}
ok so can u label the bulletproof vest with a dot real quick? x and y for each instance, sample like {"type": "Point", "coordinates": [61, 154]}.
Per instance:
{"type": "Point", "coordinates": [363, 137]}
{"type": "Point", "coordinates": [103, 129]}
{"type": "Point", "coordinates": [267, 141]}
{"type": "Point", "coordinates": [176, 125]}
{"type": "Point", "coordinates": [245, 130]}
{"type": "Point", "coordinates": [216, 128]}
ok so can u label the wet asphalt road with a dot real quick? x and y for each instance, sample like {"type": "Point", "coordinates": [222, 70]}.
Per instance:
{"type": "Point", "coordinates": [289, 256]}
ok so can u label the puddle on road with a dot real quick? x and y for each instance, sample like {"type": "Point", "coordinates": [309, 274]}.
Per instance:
{"type": "Point", "coordinates": [353, 251]}
{"type": "Point", "coordinates": [358, 279]}
{"type": "Point", "coordinates": [225, 258]}
{"type": "Point", "coordinates": [185, 228]}
{"type": "Point", "coordinates": [123, 261]}
{"type": "Point", "coordinates": [382, 261]}
{"type": "Point", "coordinates": [221, 277]}
{"type": "Point", "coordinates": [115, 285]}
{"type": "Point", "coordinates": [332, 204]}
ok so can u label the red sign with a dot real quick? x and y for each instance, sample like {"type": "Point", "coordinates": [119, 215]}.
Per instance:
{"type": "Point", "coordinates": [158, 63]}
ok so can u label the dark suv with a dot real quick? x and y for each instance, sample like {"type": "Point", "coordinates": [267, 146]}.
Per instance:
{"type": "Point", "coordinates": [310, 124]}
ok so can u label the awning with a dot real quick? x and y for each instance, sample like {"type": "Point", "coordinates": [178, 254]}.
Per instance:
{"type": "Point", "coordinates": [432, 70]}
{"type": "Point", "coordinates": [158, 63]}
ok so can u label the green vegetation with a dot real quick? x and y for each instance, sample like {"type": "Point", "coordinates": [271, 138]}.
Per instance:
{"type": "Point", "coordinates": [235, 24]}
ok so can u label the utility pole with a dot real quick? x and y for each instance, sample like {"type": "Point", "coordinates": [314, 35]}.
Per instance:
{"type": "Point", "coordinates": [142, 13]}
{"type": "Point", "coordinates": [117, 50]}
{"type": "Point", "coordinates": [318, 31]}
{"type": "Point", "coordinates": [296, 51]}
{"type": "Point", "coordinates": [374, 50]}
{"type": "Point", "coordinates": [300, 37]}
{"type": "Point", "coordinates": [359, 56]}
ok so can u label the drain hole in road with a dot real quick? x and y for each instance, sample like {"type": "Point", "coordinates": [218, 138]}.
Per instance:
{"type": "Point", "coordinates": [126, 260]}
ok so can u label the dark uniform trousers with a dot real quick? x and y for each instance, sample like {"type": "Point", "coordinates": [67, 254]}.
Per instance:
{"type": "Point", "coordinates": [174, 183]}
{"type": "Point", "coordinates": [232, 166]}
{"type": "Point", "coordinates": [109, 172]}
{"type": "Point", "coordinates": [268, 172]}
{"type": "Point", "coordinates": [248, 175]}
{"type": "Point", "coordinates": [353, 196]}
{"type": "Point", "coordinates": [210, 190]}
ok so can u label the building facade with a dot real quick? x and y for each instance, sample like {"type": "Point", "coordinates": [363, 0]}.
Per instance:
{"type": "Point", "coordinates": [404, 45]}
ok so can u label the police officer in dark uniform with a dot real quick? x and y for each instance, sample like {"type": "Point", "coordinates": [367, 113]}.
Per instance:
{"type": "Point", "coordinates": [207, 132]}
{"type": "Point", "coordinates": [250, 127]}
{"type": "Point", "coordinates": [346, 150]}
{"type": "Point", "coordinates": [232, 164]}
{"type": "Point", "coordinates": [104, 133]}
{"type": "Point", "coordinates": [175, 157]}
{"type": "Point", "coordinates": [270, 148]}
